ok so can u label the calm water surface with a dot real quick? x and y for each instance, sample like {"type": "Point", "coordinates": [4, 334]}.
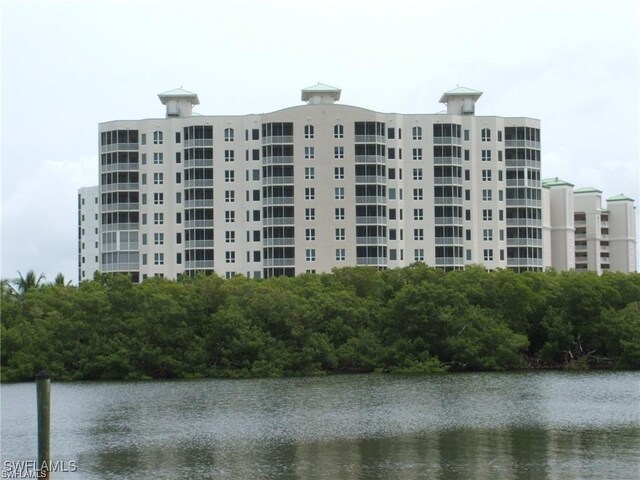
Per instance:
{"type": "Point", "coordinates": [486, 426]}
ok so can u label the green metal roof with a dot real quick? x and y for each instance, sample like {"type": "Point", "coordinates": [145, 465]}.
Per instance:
{"type": "Point", "coordinates": [620, 198]}
{"type": "Point", "coordinates": [179, 92]}
{"type": "Point", "coordinates": [587, 190]}
{"type": "Point", "coordinates": [321, 87]}
{"type": "Point", "coordinates": [555, 182]}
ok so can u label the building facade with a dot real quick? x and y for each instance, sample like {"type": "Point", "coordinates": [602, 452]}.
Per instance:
{"type": "Point", "coordinates": [318, 186]}
{"type": "Point", "coordinates": [583, 235]}
{"type": "Point", "coordinates": [88, 232]}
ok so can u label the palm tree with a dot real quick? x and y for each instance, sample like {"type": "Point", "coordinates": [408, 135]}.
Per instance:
{"type": "Point", "coordinates": [27, 282]}
{"type": "Point", "coordinates": [60, 281]}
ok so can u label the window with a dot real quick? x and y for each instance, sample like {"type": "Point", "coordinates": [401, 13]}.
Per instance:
{"type": "Point", "coordinates": [391, 133]}
{"type": "Point", "coordinates": [487, 214]}
{"type": "Point", "coordinates": [158, 238]}
{"type": "Point", "coordinates": [341, 254]}
{"type": "Point", "coordinates": [417, 194]}
{"type": "Point", "coordinates": [466, 155]}
{"type": "Point", "coordinates": [157, 137]}
{"type": "Point", "coordinates": [158, 158]}
{"type": "Point", "coordinates": [417, 174]}
{"type": "Point", "coordinates": [391, 153]}
{"type": "Point", "coordinates": [229, 257]}
{"type": "Point", "coordinates": [143, 159]}
{"type": "Point", "coordinates": [338, 193]}
{"type": "Point", "coordinates": [338, 152]}
{"type": "Point", "coordinates": [417, 154]}
{"type": "Point", "coordinates": [309, 173]}
{"type": "Point", "coordinates": [468, 235]}
{"type": "Point", "coordinates": [309, 152]}
{"type": "Point", "coordinates": [229, 196]}
{"type": "Point", "coordinates": [158, 178]}
{"type": "Point", "coordinates": [177, 137]}
{"type": "Point", "coordinates": [309, 213]}
{"type": "Point", "coordinates": [486, 195]}
{"type": "Point", "coordinates": [229, 176]}
{"type": "Point", "coordinates": [310, 234]}
{"type": "Point", "coordinates": [158, 218]}
{"type": "Point", "coordinates": [499, 175]}
{"type": "Point", "coordinates": [416, 133]}
{"type": "Point", "coordinates": [228, 134]}
{"type": "Point", "coordinates": [229, 155]}
{"type": "Point", "coordinates": [143, 139]}
{"type": "Point", "coordinates": [418, 255]}
{"type": "Point", "coordinates": [340, 234]}
{"type": "Point", "coordinates": [310, 254]}
{"type": "Point", "coordinates": [488, 254]}
{"type": "Point", "coordinates": [486, 155]}
{"type": "Point", "coordinates": [178, 177]}
{"type": "Point", "coordinates": [229, 216]}
{"type": "Point", "coordinates": [158, 258]}
{"type": "Point", "coordinates": [255, 134]}
{"type": "Point", "coordinates": [309, 193]}
{"type": "Point", "coordinates": [339, 213]}
{"type": "Point", "coordinates": [486, 175]}
{"type": "Point", "coordinates": [338, 131]}
{"type": "Point", "coordinates": [486, 135]}
{"type": "Point", "coordinates": [487, 234]}
{"type": "Point", "coordinates": [391, 173]}
{"type": "Point", "coordinates": [468, 254]}
{"type": "Point", "coordinates": [466, 135]}
{"type": "Point", "coordinates": [309, 131]}
{"type": "Point", "coordinates": [499, 135]}
{"type": "Point", "coordinates": [467, 175]}
{"type": "Point", "coordinates": [338, 173]}
{"type": "Point", "coordinates": [418, 214]}
{"type": "Point", "coordinates": [229, 236]}
{"type": "Point", "coordinates": [418, 234]}
{"type": "Point", "coordinates": [158, 198]}
{"type": "Point", "coordinates": [391, 193]}
{"type": "Point", "coordinates": [178, 158]}
{"type": "Point", "coordinates": [499, 155]}
{"type": "Point", "coordinates": [501, 195]}
{"type": "Point", "coordinates": [467, 195]}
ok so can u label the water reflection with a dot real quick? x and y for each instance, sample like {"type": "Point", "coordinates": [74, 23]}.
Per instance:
{"type": "Point", "coordinates": [493, 426]}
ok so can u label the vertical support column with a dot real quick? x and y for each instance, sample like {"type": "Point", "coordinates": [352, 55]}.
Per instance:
{"type": "Point", "coordinates": [43, 389]}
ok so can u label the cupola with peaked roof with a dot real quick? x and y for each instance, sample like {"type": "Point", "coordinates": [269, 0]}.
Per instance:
{"type": "Point", "coordinates": [179, 102]}
{"type": "Point", "coordinates": [320, 93]}
{"type": "Point", "coordinates": [460, 100]}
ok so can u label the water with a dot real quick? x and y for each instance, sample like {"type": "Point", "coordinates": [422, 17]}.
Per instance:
{"type": "Point", "coordinates": [494, 426]}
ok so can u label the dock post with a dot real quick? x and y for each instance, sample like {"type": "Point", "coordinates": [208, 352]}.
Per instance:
{"type": "Point", "coordinates": [43, 388]}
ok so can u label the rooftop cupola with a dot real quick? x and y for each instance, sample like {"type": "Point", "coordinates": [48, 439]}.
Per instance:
{"type": "Point", "coordinates": [461, 100]}
{"type": "Point", "coordinates": [179, 102]}
{"type": "Point", "coordinates": [320, 93]}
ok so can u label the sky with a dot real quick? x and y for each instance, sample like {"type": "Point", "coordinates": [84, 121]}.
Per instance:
{"type": "Point", "coordinates": [68, 65]}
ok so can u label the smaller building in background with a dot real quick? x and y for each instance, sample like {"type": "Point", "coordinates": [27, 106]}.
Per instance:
{"type": "Point", "coordinates": [88, 232]}
{"type": "Point", "coordinates": [583, 235]}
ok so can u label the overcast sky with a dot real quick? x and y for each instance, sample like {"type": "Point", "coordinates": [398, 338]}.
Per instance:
{"type": "Point", "coordinates": [68, 65]}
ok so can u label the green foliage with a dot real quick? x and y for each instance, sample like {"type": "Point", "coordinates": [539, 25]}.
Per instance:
{"type": "Point", "coordinates": [416, 319]}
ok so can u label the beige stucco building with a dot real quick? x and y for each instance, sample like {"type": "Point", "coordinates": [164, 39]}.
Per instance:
{"type": "Point", "coordinates": [317, 186]}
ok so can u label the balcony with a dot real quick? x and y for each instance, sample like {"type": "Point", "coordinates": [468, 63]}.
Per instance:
{"type": "Point", "coordinates": [277, 160]}
{"type": "Point", "coordinates": [120, 267]}
{"type": "Point", "coordinates": [370, 139]}
{"type": "Point", "coordinates": [447, 141]}
{"type": "Point", "coordinates": [371, 199]}
{"type": "Point", "coordinates": [203, 203]}
{"type": "Point", "coordinates": [447, 180]}
{"type": "Point", "coordinates": [116, 227]}
{"type": "Point", "coordinates": [450, 261]}
{"type": "Point", "coordinates": [371, 240]}
{"type": "Point", "coordinates": [275, 221]}
{"type": "Point", "coordinates": [447, 161]}
{"type": "Point", "coordinates": [198, 163]}
{"type": "Point", "coordinates": [279, 262]}
{"type": "Point", "coordinates": [198, 264]}
{"type": "Point", "coordinates": [379, 159]}
{"type": "Point", "coordinates": [118, 146]}
{"type": "Point", "coordinates": [529, 242]}
{"type": "Point", "coordinates": [580, 223]}
{"type": "Point", "coordinates": [524, 262]}
{"type": "Point", "coordinates": [192, 244]}
{"type": "Point", "coordinates": [521, 144]}
{"type": "Point", "coordinates": [198, 183]}
{"type": "Point", "coordinates": [523, 202]}
{"type": "Point", "coordinates": [371, 221]}
{"type": "Point", "coordinates": [522, 162]}
{"type": "Point", "coordinates": [267, 201]}
{"type": "Point", "coordinates": [447, 200]}
{"type": "Point", "coordinates": [371, 179]}
{"type": "Point", "coordinates": [118, 187]}
{"type": "Point", "coordinates": [377, 261]}
{"type": "Point", "coordinates": [288, 180]}
{"type": "Point", "coordinates": [524, 222]}
{"type": "Point", "coordinates": [198, 224]}
{"type": "Point", "coordinates": [120, 207]}
{"type": "Point", "coordinates": [120, 167]}
{"type": "Point", "coordinates": [448, 240]}
{"type": "Point", "coordinates": [198, 142]}
{"type": "Point", "coordinates": [448, 220]}
{"type": "Point", "coordinates": [277, 139]}
{"type": "Point", "coordinates": [278, 242]}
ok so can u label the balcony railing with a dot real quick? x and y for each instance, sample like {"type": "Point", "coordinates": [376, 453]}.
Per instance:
{"type": "Point", "coordinates": [522, 162]}
{"type": "Point", "coordinates": [447, 200]}
{"type": "Point", "coordinates": [447, 180]}
{"type": "Point", "coordinates": [371, 220]}
{"type": "Point", "coordinates": [118, 146]}
{"type": "Point", "coordinates": [523, 202]}
{"type": "Point", "coordinates": [116, 227]}
{"type": "Point", "coordinates": [120, 207]}
{"type": "Point", "coordinates": [448, 241]}
{"type": "Point", "coordinates": [198, 163]}
{"type": "Point", "coordinates": [450, 261]}
{"type": "Point", "coordinates": [370, 139]}
{"type": "Point", "coordinates": [279, 262]}
{"type": "Point", "coordinates": [448, 220]}
{"type": "Point", "coordinates": [202, 203]}
{"type": "Point", "coordinates": [447, 161]}
{"type": "Point", "coordinates": [198, 224]}
{"type": "Point", "coordinates": [118, 187]}
{"type": "Point", "coordinates": [277, 139]}
{"type": "Point", "coordinates": [371, 179]}
{"type": "Point", "coordinates": [371, 159]}
{"type": "Point", "coordinates": [198, 182]}
{"type": "Point", "coordinates": [521, 144]}
{"type": "Point", "coordinates": [287, 180]}
{"type": "Point", "coordinates": [120, 167]}
{"type": "Point", "coordinates": [530, 242]}
{"type": "Point", "coordinates": [278, 242]}
{"type": "Point", "coordinates": [524, 222]}
{"type": "Point", "coordinates": [527, 262]}
{"type": "Point", "coordinates": [267, 201]}
{"type": "Point", "coordinates": [277, 160]}
{"type": "Point", "coordinates": [198, 264]}
{"type": "Point", "coordinates": [379, 261]}
{"type": "Point", "coordinates": [371, 240]}
{"type": "Point", "coordinates": [274, 221]}
{"type": "Point", "coordinates": [371, 199]}
{"type": "Point", "coordinates": [447, 141]}
{"type": "Point", "coordinates": [191, 244]}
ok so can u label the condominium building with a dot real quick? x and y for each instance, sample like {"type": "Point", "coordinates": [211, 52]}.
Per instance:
{"type": "Point", "coordinates": [580, 234]}
{"type": "Point", "coordinates": [88, 232]}
{"type": "Point", "coordinates": [317, 186]}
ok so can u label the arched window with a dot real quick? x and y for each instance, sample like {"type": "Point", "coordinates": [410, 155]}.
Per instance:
{"type": "Point", "coordinates": [416, 133]}
{"type": "Point", "coordinates": [228, 134]}
{"type": "Point", "coordinates": [338, 131]}
{"type": "Point", "coordinates": [309, 131]}
{"type": "Point", "coordinates": [157, 137]}
{"type": "Point", "coordinates": [486, 135]}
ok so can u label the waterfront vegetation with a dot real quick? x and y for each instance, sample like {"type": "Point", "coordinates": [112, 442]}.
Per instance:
{"type": "Point", "coordinates": [416, 319]}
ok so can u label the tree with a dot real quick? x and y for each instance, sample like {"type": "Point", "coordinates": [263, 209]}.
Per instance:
{"type": "Point", "coordinates": [61, 281]}
{"type": "Point", "coordinates": [25, 283]}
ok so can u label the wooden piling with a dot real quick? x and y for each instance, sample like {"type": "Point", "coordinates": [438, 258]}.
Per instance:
{"type": "Point", "coordinates": [43, 388]}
